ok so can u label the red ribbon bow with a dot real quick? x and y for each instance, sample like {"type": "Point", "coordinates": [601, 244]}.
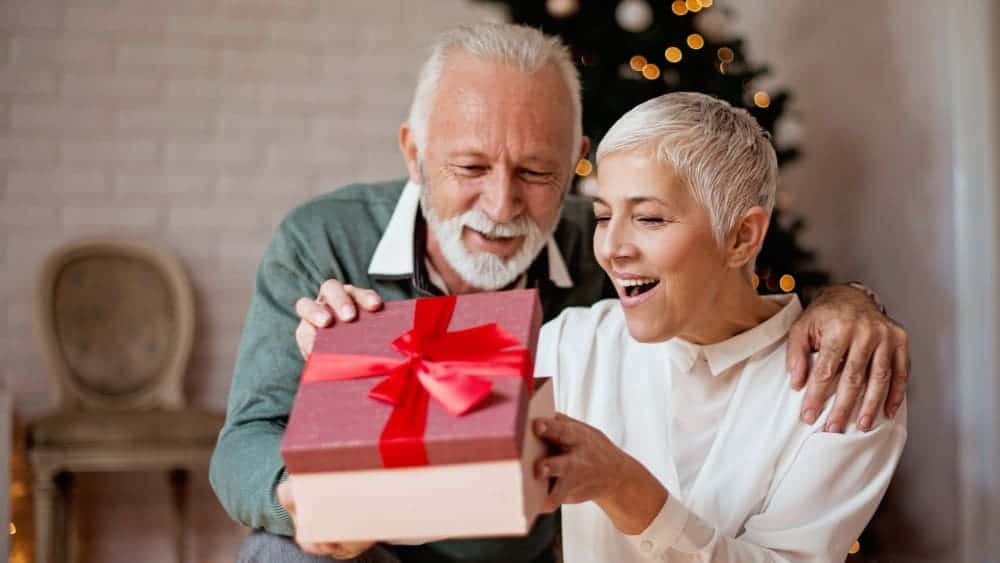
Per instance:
{"type": "Point", "coordinates": [453, 367]}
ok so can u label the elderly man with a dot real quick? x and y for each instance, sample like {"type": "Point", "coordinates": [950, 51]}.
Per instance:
{"type": "Point", "coordinates": [490, 146]}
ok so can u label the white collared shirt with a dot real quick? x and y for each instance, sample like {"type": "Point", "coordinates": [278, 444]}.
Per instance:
{"type": "Point", "coordinates": [718, 426]}
{"type": "Point", "coordinates": [394, 254]}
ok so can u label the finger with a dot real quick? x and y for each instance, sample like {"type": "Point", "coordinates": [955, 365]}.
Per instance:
{"type": "Point", "coordinates": [555, 466]}
{"type": "Point", "coordinates": [348, 550]}
{"type": "Point", "coordinates": [878, 386]}
{"type": "Point", "coordinates": [367, 298]}
{"type": "Point", "coordinates": [852, 379]}
{"type": "Point", "coordinates": [285, 497]}
{"type": "Point", "coordinates": [554, 430]}
{"type": "Point", "coordinates": [305, 336]}
{"type": "Point", "coordinates": [312, 312]}
{"type": "Point", "coordinates": [900, 380]}
{"type": "Point", "coordinates": [317, 548]}
{"type": "Point", "coordinates": [556, 496]}
{"type": "Point", "coordinates": [797, 361]}
{"type": "Point", "coordinates": [340, 301]}
{"type": "Point", "coordinates": [823, 377]}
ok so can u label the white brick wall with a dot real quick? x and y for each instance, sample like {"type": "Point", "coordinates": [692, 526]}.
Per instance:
{"type": "Point", "coordinates": [194, 124]}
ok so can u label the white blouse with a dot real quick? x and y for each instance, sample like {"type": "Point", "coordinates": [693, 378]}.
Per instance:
{"type": "Point", "coordinates": [719, 426]}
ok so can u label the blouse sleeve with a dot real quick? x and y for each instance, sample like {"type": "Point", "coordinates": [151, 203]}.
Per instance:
{"type": "Point", "coordinates": [815, 511]}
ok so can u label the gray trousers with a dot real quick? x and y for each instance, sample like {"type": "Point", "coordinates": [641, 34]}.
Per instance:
{"type": "Point", "coordinates": [265, 547]}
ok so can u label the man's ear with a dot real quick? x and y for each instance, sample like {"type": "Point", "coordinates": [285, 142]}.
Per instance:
{"type": "Point", "coordinates": [408, 146]}
{"type": "Point", "coordinates": [584, 148]}
{"type": "Point", "coordinates": [747, 237]}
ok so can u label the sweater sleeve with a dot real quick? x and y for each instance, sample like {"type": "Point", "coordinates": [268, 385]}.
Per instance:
{"type": "Point", "coordinates": [246, 464]}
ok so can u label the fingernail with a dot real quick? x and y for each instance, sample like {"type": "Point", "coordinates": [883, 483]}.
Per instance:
{"type": "Point", "coordinates": [540, 427]}
{"type": "Point", "coordinates": [372, 300]}
{"type": "Point", "coordinates": [346, 312]}
{"type": "Point", "coordinates": [321, 318]}
{"type": "Point", "coordinates": [892, 411]}
{"type": "Point", "coordinates": [545, 471]}
{"type": "Point", "coordinates": [809, 415]}
{"type": "Point", "coordinates": [832, 427]}
{"type": "Point", "coordinates": [796, 384]}
{"type": "Point", "coordinates": [866, 423]}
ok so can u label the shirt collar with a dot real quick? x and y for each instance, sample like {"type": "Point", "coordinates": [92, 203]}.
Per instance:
{"type": "Point", "coordinates": [394, 254]}
{"type": "Point", "coordinates": [723, 355]}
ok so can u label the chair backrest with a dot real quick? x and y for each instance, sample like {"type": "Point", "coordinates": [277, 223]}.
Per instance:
{"type": "Point", "coordinates": [115, 320]}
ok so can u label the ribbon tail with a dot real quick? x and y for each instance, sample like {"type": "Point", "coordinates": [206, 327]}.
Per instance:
{"type": "Point", "coordinates": [402, 441]}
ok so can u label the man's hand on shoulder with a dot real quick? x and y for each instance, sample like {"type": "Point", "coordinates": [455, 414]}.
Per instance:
{"type": "Point", "coordinates": [863, 357]}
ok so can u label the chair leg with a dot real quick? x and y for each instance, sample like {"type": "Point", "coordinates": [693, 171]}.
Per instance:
{"type": "Point", "coordinates": [43, 492]}
{"type": "Point", "coordinates": [51, 494]}
{"type": "Point", "coordinates": [178, 486]}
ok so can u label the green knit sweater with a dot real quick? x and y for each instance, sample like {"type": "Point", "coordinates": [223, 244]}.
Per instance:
{"type": "Point", "coordinates": [334, 236]}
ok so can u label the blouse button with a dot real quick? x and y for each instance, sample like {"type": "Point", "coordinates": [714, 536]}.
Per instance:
{"type": "Point", "coordinates": [646, 546]}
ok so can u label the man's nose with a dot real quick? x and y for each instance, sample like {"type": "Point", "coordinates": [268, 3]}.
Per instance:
{"type": "Point", "coordinates": [501, 198]}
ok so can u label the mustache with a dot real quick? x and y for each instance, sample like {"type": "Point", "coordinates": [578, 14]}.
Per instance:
{"type": "Point", "coordinates": [479, 221]}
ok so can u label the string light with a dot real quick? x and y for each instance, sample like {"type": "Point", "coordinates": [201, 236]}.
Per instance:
{"type": "Point", "coordinates": [755, 281]}
{"type": "Point", "coordinates": [637, 62]}
{"type": "Point", "coordinates": [855, 547]}
{"type": "Point", "coordinates": [693, 5]}
{"type": "Point", "coordinates": [695, 41]}
{"type": "Point", "coordinates": [673, 54]}
{"type": "Point", "coordinates": [787, 283]}
{"type": "Point", "coordinates": [722, 68]}
{"type": "Point", "coordinates": [584, 167]}
{"type": "Point", "coordinates": [726, 54]}
{"type": "Point", "coordinates": [13, 529]}
{"type": "Point", "coordinates": [18, 489]}
{"type": "Point", "coordinates": [679, 7]}
{"type": "Point", "coordinates": [761, 99]}
{"type": "Point", "coordinates": [707, 3]}
{"type": "Point", "coordinates": [651, 71]}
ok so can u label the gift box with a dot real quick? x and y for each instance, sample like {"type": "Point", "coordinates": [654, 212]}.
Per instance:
{"type": "Point", "coordinates": [412, 422]}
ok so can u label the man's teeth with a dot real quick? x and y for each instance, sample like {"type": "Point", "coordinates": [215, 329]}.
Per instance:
{"type": "Point", "coordinates": [633, 283]}
{"type": "Point", "coordinates": [493, 237]}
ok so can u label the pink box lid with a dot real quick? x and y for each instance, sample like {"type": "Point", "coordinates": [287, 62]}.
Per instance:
{"type": "Point", "coordinates": [335, 426]}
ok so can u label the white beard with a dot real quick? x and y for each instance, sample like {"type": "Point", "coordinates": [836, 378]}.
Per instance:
{"type": "Point", "coordinates": [482, 269]}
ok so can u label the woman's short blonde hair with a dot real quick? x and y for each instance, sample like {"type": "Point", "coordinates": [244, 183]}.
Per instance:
{"type": "Point", "coordinates": [720, 151]}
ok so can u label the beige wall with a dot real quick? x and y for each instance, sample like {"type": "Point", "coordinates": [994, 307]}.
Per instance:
{"type": "Point", "coordinates": [872, 89]}
{"type": "Point", "coordinates": [196, 124]}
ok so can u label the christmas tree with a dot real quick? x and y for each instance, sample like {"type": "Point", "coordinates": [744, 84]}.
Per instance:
{"type": "Point", "coordinates": [632, 50]}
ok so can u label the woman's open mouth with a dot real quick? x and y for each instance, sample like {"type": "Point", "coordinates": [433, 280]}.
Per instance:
{"type": "Point", "coordinates": [634, 288]}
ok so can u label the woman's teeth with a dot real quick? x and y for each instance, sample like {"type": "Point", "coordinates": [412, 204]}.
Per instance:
{"type": "Point", "coordinates": [643, 281]}
{"type": "Point", "coordinates": [635, 287]}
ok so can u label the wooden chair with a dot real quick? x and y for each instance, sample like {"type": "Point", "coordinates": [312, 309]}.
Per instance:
{"type": "Point", "coordinates": [115, 321]}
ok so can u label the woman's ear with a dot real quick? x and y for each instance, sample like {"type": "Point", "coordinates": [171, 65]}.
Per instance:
{"type": "Point", "coordinates": [747, 237]}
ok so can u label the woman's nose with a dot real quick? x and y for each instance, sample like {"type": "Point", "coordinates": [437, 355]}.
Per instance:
{"type": "Point", "coordinates": [613, 242]}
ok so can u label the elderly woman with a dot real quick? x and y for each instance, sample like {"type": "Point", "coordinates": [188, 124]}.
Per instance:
{"type": "Point", "coordinates": [678, 423]}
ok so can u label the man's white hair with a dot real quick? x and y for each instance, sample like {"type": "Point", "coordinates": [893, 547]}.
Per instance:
{"type": "Point", "coordinates": [524, 48]}
{"type": "Point", "coordinates": [720, 151]}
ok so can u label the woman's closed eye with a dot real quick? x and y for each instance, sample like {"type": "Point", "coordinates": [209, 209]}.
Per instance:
{"type": "Point", "coordinates": [651, 220]}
